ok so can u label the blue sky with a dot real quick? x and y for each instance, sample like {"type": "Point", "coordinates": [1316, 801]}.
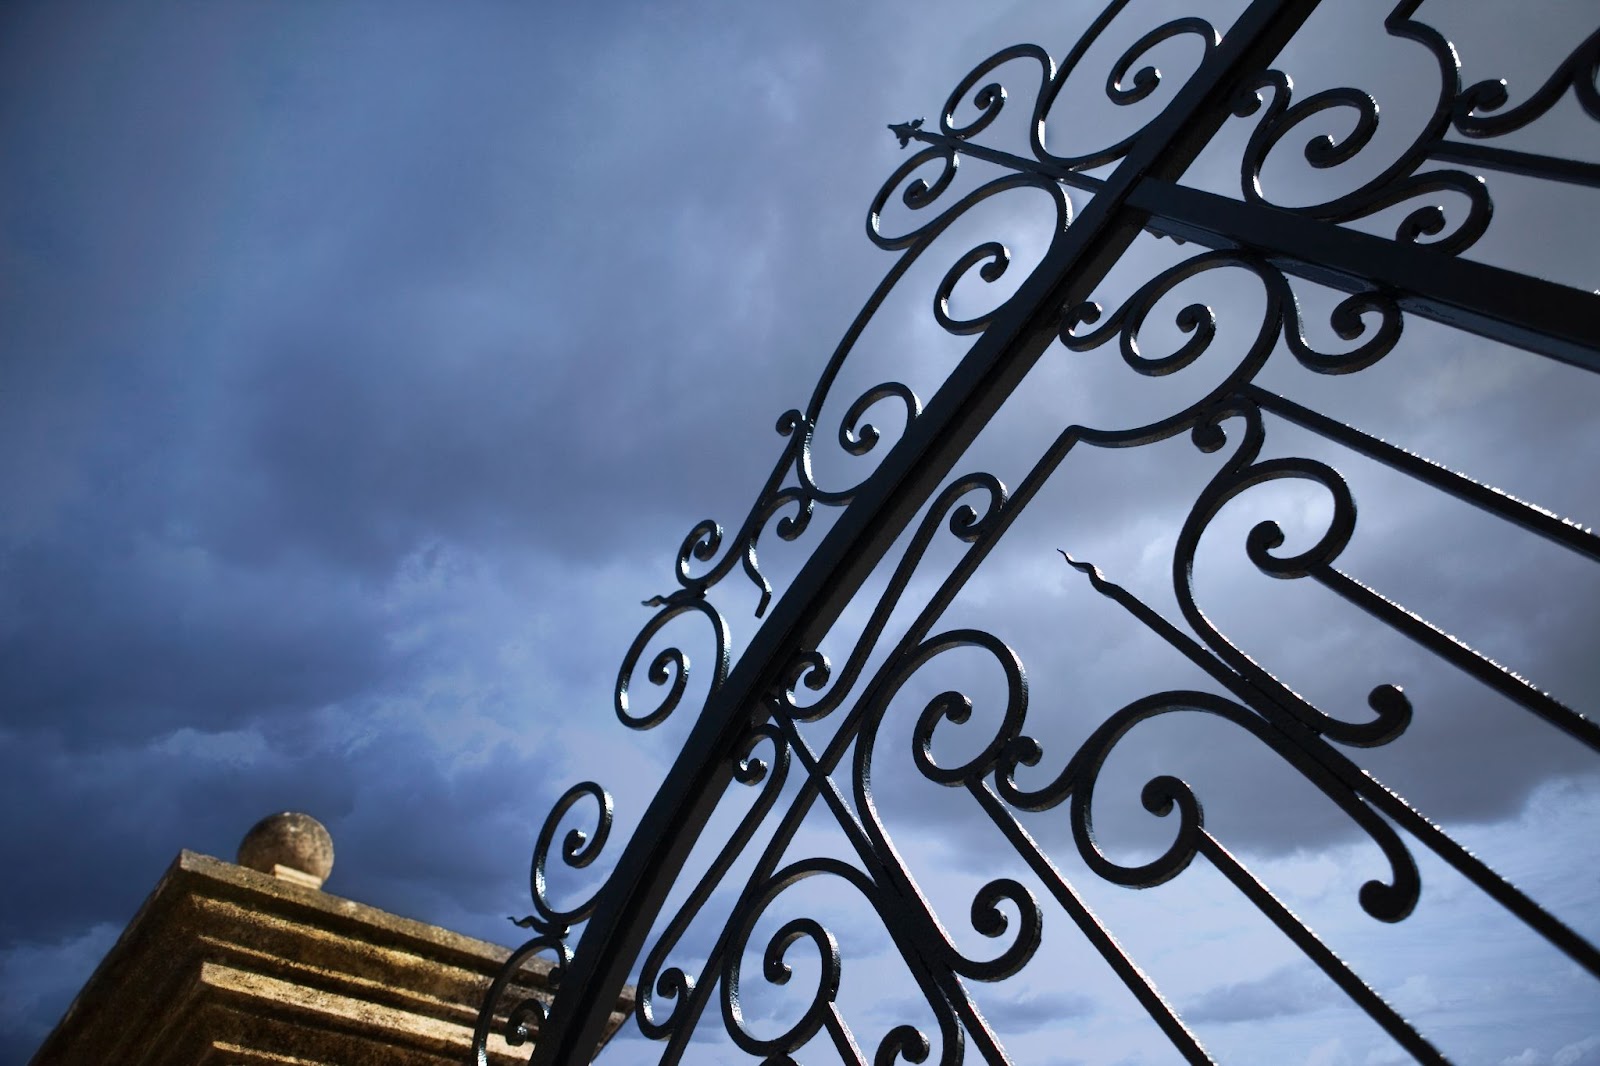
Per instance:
{"type": "Point", "coordinates": [362, 367]}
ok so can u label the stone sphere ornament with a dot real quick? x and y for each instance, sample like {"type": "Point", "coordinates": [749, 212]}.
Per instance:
{"type": "Point", "coordinates": [290, 846]}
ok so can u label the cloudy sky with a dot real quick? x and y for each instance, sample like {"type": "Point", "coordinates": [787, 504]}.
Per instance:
{"type": "Point", "coordinates": [363, 366]}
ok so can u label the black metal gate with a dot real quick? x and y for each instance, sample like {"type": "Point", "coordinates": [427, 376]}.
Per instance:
{"type": "Point", "coordinates": [752, 728]}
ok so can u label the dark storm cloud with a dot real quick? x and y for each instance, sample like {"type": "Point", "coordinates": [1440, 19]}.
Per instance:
{"type": "Point", "coordinates": [465, 373]}
{"type": "Point", "coordinates": [131, 637]}
{"type": "Point", "coordinates": [119, 800]}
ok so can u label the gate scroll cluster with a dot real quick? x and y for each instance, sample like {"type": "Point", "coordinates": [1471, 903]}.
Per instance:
{"type": "Point", "coordinates": [749, 730]}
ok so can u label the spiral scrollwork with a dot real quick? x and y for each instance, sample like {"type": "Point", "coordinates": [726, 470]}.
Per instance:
{"type": "Point", "coordinates": [1388, 900]}
{"type": "Point", "coordinates": [811, 669]}
{"type": "Point", "coordinates": [858, 437]}
{"type": "Point", "coordinates": [1147, 79]}
{"type": "Point", "coordinates": [998, 260]}
{"type": "Point", "coordinates": [1476, 111]}
{"type": "Point", "coordinates": [527, 1012]}
{"type": "Point", "coordinates": [706, 539]}
{"type": "Point", "coordinates": [901, 1043]}
{"type": "Point", "coordinates": [991, 921]}
{"type": "Point", "coordinates": [1371, 318]}
{"type": "Point", "coordinates": [1124, 86]}
{"type": "Point", "coordinates": [919, 195]}
{"type": "Point", "coordinates": [709, 553]}
{"type": "Point", "coordinates": [670, 668]}
{"type": "Point", "coordinates": [916, 195]}
{"type": "Point", "coordinates": [991, 97]}
{"type": "Point", "coordinates": [671, 983]}
{"type": "Point", "coordinates": [1396, 184]}
{"type": "Point", "coordinates": [1245, 470]}
{"type": "Point", "coordinates": [578, 850]}
{"type": "Point", "coordinates": [1350, 323]}
{"type": "Point", "coordinates": [954, 707]}
{"type": "Point", "coordinates": [1281, 117]}
{"type": "Point", "coordinates": [551, 924]}
{"type": "Point", "coordinates": [904, 1043]}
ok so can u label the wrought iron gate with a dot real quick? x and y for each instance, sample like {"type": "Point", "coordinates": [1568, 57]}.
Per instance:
{"type": "Point", "coordinates": [751, 728]}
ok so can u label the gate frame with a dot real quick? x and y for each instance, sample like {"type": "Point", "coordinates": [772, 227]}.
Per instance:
{"type": "Point", "coordinates": [1141, 193]}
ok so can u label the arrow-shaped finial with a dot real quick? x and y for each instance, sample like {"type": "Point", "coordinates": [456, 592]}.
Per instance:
{"type": "Point", "coordinates": [903, 130]}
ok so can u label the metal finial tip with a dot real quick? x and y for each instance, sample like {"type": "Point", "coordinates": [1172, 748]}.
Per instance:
{"type": "Point", "coordinates": [903, 130]}
{"type": "Point", "coordinates": [1083, 567]}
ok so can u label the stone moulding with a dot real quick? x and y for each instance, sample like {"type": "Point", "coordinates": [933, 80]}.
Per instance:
{"type": "Point", "coordinates": [224, 965]}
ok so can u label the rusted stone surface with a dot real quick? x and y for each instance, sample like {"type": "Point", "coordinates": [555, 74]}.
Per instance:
{"type": "Point", "coordinates": [224, 966]}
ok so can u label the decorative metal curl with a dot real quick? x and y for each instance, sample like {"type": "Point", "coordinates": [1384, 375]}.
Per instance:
{"type": "Point", "coordinates": [578, 851]}
{"type": "Point", "coordinates": [986, 917]}
{"type": "Point", "coordinates": [1386, 900]}
{"type": "Point", "coordinates": [1476, 111]}
{"type": "Point", "coordinates": [990, 97]}
{"type": "Point", "coordinates": [550, 923]}
{"type": "Point", "coordinates": [1389, 901]}
{"type": "Point", "coordinates": [1395, 185]}
{"type": "Point", "coordinates": [918, 195]}
{"type": "Point", "coordinates": [1241, 472]}
{"type": "Point", "coordinates": [1244, 471]}
{"type": "Point", "coordinates": [1352, 320]}
{"type": "Point", "coordinates": [902, 1042]}
{"type": "Point", "coordinates": [858, 437]}
{"type": "Point", "coordinates": [527, 1014]}
{"type": "Point", "coordinates": [1148, 79]}
{"type": "Point", "coordinates": [812, 669]}
{"type": "Point", "coordinates": [672, 983]}
{"type": "Point", "coordinates": [670, 667]}
{"type": "Point", "coordinates": [999, 258]}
